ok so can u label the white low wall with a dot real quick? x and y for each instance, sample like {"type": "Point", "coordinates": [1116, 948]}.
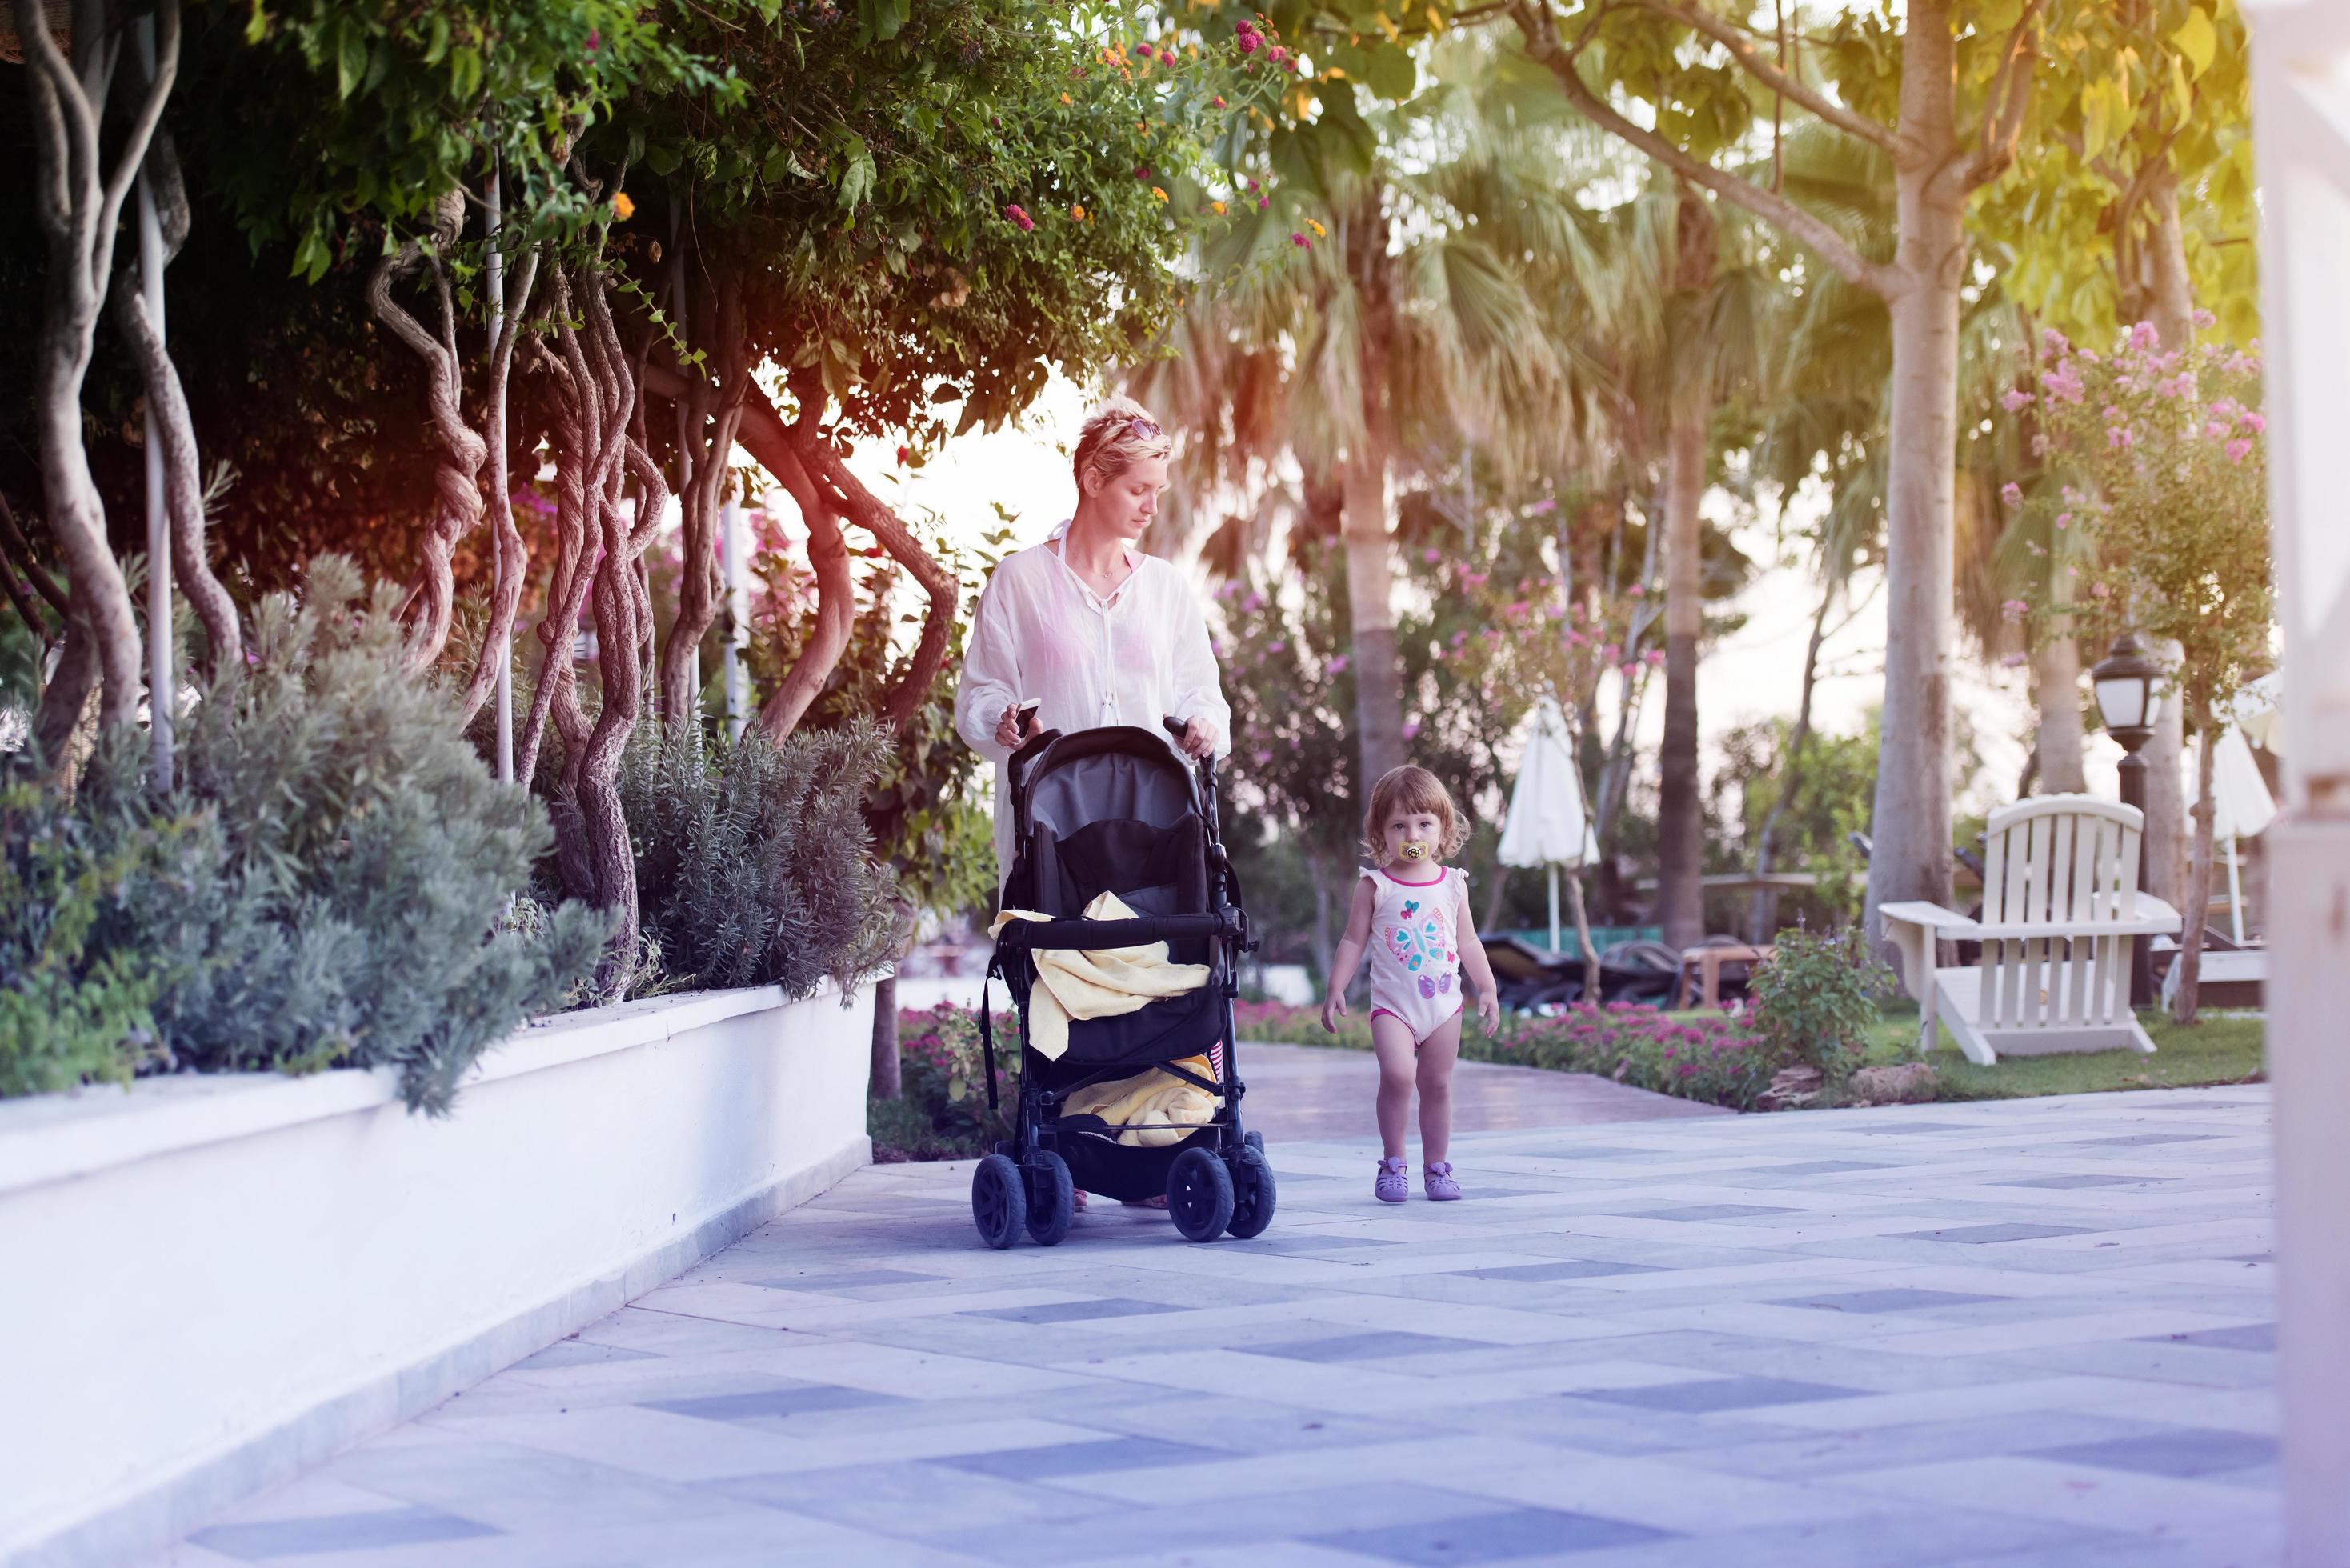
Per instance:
{"type": "Point", "coordinates": [208, 1283]}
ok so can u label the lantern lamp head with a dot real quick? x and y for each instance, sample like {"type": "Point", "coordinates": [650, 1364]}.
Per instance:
{"type": "Point", "coordinates": [2124, 681]}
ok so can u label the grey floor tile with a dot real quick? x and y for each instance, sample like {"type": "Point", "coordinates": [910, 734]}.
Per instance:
{"type": "Point", "coordinates": [1545, 1273]}
{"type": "Point", "coordinates": [1896, 1299]}
{"type": "Point", "coordinates": [1082, 1458]}
{"type": "Point", "coordinates": [2250, 1336]}
{"type": "Point", "coordinates": [2006, 1231]}
{"type": "Point", "coordinates": [1072, 1312]}
{"type": "Point", "coordinates": [767, 1403]}
{"type": "Point", "coordinates": [1705, 1395]}
{"type": "Point", "coordinates": [1820, 1167]}
{"type": "Point", "coordinates": [1363, 1346]}
{"type": "Point", "coordinates": [581, 1352]}
{"type": "Point", "coordinates": [263, 1539]}
{"type": "Point", "coordinates": [1489, 1538]}
{"type": "Point", "coordinates": [2184, 1451]}
{"type": "Point", "coordinates": [2145, 1140]}
{"type": "Point", "coordinates": [1700, 1212]}
{"type": "Point", "coordinates": [854, 1278]}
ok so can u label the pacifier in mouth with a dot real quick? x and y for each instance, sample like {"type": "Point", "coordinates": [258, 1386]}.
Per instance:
{"type": "Point", "coordinates": [1416, 849]}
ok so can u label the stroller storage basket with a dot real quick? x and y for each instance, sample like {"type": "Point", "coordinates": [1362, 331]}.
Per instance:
{"type": "Point", "coordinates": [1117, 811]}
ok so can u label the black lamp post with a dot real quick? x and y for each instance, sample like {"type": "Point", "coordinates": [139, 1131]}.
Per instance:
{"type": "Point", "coordinates": [2124, 681]}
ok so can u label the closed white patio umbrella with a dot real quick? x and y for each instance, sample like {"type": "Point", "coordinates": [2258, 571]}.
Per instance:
{"type": "Point", "coordinates": [1548, 825]}
{"type": "Point", "coordinates": [2241, 808]}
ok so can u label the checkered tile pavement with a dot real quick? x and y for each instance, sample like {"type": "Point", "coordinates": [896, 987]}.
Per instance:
{"type": "Point", "coordinates": [2032, 1332]}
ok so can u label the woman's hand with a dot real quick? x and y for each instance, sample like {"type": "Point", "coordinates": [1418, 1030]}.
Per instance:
{"type": "Point", "coordinates": [1007, 731]}
{"type": "Point", "coordinates": [1198, 741]}
{"type": "Point", "coordinates": [1333, 1010]}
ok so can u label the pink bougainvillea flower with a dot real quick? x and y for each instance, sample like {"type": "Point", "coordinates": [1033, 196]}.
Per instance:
{"type": "Point", "coordinates": [1018, 215]}
{"type": "Point", "coordinates": [1218, 102]}
{"type": "Point", "coordinates": [2063, 519]}
{"type": "Point", "coordinates": [1263, 202]}
{"type": "Point", "coordinates": [1608, 651]}
{"type": "Point", "coordinates": [1338, 665]}
{"type": "Point", "coordinates": [1411, 729]}
{"type": "Point", "coordinates": [1297, 238]}
{"type": "Point", "coordinates": [2014, 399]}
{"type": "Point", "coordinates": [2119, 437]}
{"type": "Point", "coordinates": [595, 39]}
{"type": "Point", "coordinates": [1432, 556]}
{"type": "Point", "coordinates": [2014, 660]}
{"type": "Point", "coordinates": [2255, 424]}
{"type": "Point", "coordinates": [2011, 492]}
{"type": "Point", "coordinates": [1654, 657]}
{"type": "Point", "coordinates": [2143, 336]}
{"type": "Point", "coordinates": [2054, 341]}
{"type": "Point", "coordinates": [2204, 320]}
{"type": "Point", "coordinates": [2013, 609]}
{"type": "Point", "coordinates": [2239, 449]}
{"type": "Point", "coordinates": [1276, 644]}
{"type": "Point", "coordinates": [1637, 591]}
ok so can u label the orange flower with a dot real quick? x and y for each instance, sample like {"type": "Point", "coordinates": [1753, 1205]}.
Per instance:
{"type": "Point", "coordinates": [622, 208]}
{"type": "Point", "coordinates": [1158, 194]}
{"type": "Point", "coordinates": [1216, 207]}
{"type": "Point", "coordinates": [1079, 214]}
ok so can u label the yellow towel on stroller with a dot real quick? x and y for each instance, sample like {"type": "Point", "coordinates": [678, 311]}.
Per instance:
{"type": "Point", "coordinates": [1102, 982]}
{"type": "Point", "coordinates": [1150, 1096]}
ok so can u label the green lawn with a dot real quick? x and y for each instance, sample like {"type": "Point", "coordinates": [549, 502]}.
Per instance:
{"type": "Point", "coordinates": [2221, 1049]}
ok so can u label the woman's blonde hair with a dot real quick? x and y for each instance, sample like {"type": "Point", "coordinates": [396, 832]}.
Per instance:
{"type": "Point", "coordinates": [1117, 435]}
{"type": "Point", "coordinates": [1411, 789]}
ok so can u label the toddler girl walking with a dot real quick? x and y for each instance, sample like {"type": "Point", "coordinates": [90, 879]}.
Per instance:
{"type": "Point", "coordinates": [1411, 912]}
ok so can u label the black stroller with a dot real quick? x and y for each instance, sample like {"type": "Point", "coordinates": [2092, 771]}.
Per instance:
{"type": "Point", "coordinates": [1117, 810]}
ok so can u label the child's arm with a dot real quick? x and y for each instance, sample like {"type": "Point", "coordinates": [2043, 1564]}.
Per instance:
{"type": "Point", "coordinates": [1349, 956]}
{"type": "Point", "coordinates": [1479, 970]}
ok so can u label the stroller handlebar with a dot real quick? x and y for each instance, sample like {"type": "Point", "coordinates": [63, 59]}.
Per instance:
{"type": "Point", "coordinates": [1090, 934]}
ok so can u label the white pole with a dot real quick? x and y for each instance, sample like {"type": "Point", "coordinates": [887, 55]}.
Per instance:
{"type": "Point", "coordinates": [2235, 894]}
{"type": "Point", "coordinates": [738, 618]}
{"type": "Point", "coordinates": [497, 281]}
{"type": "Point", "coordinates": [162, 678]}
{"type": "Point", "coordinates": [2301, 100]}
{"type": "Point", "coordinates": [1554, 906]}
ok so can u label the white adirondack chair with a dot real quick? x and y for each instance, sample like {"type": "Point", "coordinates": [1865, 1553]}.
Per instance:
{"type": "Point", "coordinates": [2061, 907]}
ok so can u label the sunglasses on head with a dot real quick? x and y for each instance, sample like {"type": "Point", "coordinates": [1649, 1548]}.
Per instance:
{"type": "Point", "coordinates": [1143, 430]}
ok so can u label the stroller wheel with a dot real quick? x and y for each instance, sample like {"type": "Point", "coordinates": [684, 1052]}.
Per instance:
{"type": "Point", "coordinates": [1255, 1140]}
{"type": "Point", "coordinates": [1200, 1195]}
{"type": "Point", "coordinates": [1252, 1192]}
{"type": "Point", "coordinates": [996, 1200]}
{"type": "Point", "coordinates": [1051, 1198]}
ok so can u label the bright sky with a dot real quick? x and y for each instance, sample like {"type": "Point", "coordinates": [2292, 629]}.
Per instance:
{"type": "Point", "coordinates": [1749, 675]}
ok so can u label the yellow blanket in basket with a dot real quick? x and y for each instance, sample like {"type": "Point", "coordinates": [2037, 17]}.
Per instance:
{"type": "Point", "coordinates": [1100, 982]}
{"type": "Point", "coordinates": [1150, 1096]}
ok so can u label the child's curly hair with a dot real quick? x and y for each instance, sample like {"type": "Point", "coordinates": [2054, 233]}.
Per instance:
{"type": "Point", "coordinates": [1411, 789]}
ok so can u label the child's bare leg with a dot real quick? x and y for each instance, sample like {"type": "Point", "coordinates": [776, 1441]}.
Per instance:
{"type": "Point", "coordinates": [1436, 1054]}
{"type": "Point", "coordinates": [1392, 1044]}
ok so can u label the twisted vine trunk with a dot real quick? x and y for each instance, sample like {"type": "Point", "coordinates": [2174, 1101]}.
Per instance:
{"type": "Point", "coordinates": [175, 427]}
{"type": "Point", "coordinates": [78, 207]}
{"type": "Point", "coordinates": [712, 415]}
{"type": "Point", "coordinates": [596, 396]}
{"type": "Point", "coordinates": [513, 554]}
{"type": "Point", "coordinates": [456, 478]}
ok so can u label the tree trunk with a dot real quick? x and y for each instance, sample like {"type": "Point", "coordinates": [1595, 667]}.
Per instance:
{"type": "Point", "coordinates": [1370, 608]}
{"type": "Point", "coordinates": [512, 552]}
{"type": "Point", "coordinates": [175, 427]}
{"type": "Point", "coordinates": [714, 415]}
{"type": "Point", "coordinates": [1910, 822]}
{"type": "Point", "coordinates": [77, 206]}
{"type": "Point", "coordinates": [2169, 300]}
{"type": "Point", "coordinates": [888, 1079]}
{"type": "Point", "coordinates": [2056, 688]}
{"type": "Point", "coordinates": [2197, 908]}
{"type": "Point", "coordinates": [1680, 835]}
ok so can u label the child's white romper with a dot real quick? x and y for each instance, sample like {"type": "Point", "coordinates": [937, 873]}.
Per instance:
{"type": "Point", "coordinates": [1415, 949]}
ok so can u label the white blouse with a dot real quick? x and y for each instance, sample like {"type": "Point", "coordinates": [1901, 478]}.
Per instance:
{"type": "Point", "coordinates": [1134, 658]}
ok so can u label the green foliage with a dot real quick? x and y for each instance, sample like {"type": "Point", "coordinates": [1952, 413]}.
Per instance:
{"type": "Point", "coordinates": [943, 1111]}
{"type": "Point", "coordinates": [327, 884]}
{"type": "Point", "coordinates": [387, 109]}
{"type": "Point", "coordinates": [754, 865]}
{"type": "Point", "coordinates": [942, 202]}
{"type": "Point", "coordinates": [70, 1013]}
{"type": "Point", "coordinates": [2169, 518]}
{"type": "Point", "coordinates": [1816, 1001]}
{"type": "Point", "coordinates": [1712, 1057]}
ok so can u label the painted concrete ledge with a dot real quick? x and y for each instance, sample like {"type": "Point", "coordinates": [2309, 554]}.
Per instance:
{"type": "Point", "coordinates": [209, 1283]}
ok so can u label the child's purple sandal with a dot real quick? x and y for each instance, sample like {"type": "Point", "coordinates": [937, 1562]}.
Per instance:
{"type": "Point", "coordinates": [1442, 1188]}
{"type": "Point", "coordinates": [1391, 1185]}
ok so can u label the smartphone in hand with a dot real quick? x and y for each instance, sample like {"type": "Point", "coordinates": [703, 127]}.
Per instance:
{"type": "Point", "coordinates": [1023, 717]}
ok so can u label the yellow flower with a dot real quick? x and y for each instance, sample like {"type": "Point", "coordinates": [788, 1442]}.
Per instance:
{"type": "Point", "coordinates": [1216, 207]}
{"type": "Point", "coordinates": [622, 208]}
{"type": "Point", "coordinates": [1319, 232]}
{"type": "Point", "coordinates": [1333, 74]}
{"type": "Point", "coordinates": [1065, 97]}
{"type": "Point", "coordinates": [1158, 194]}
{"type": "Point", "coordinates": [1079, 214]}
